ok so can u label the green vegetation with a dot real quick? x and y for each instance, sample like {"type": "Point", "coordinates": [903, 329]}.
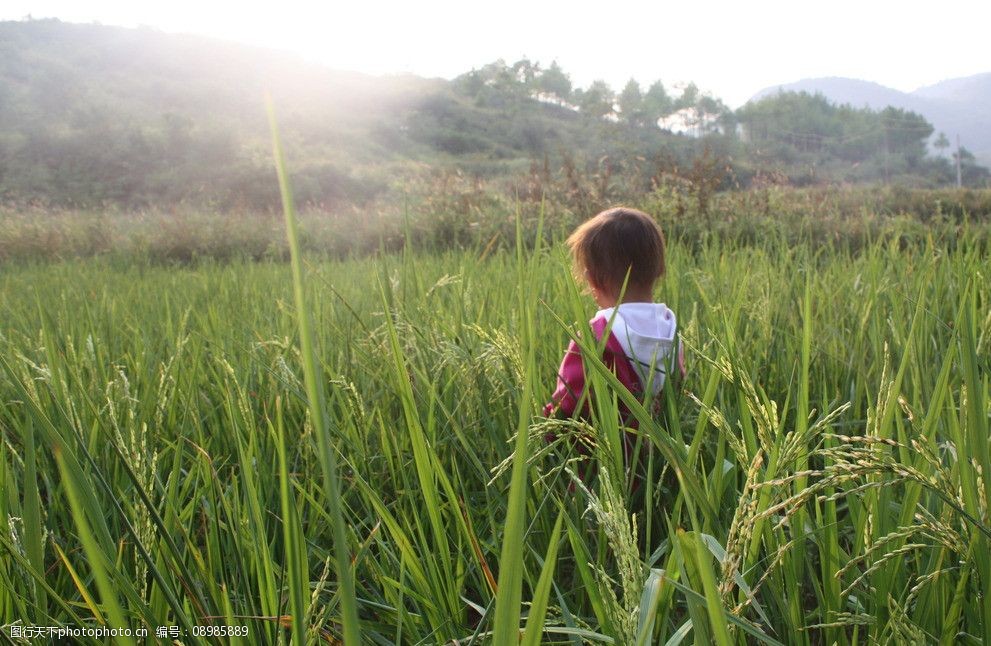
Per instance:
{"type": "Point", "coordinates": [452, 211]}
{"type": "Point", "coordinates": [94, 116]}
{"type": "Point", "coordinates": [348, 447]}
{"type": "Point", "coordinates": [800, 130]}
{"type": "Point", "coordinates": [819, 480]}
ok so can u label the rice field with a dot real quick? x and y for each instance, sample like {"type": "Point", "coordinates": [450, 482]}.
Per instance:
{"type": "Point", "coordinates": [178, 451]}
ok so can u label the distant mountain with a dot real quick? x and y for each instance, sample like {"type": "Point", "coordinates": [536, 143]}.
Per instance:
{"type": "Point", "coordinates": [970, 89]}
{"type": "Point", "coordinates": [959, 106]}
{"type": "Point", "coordinates": [845, 90]}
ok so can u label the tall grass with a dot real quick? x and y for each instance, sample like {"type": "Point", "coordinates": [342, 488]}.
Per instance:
{"type": "Point", "coordinates": [317, 400]}
{"type": "Point", "coordinates": [820, 477]}
{"type": "Point", "coordinates": [453, 211]}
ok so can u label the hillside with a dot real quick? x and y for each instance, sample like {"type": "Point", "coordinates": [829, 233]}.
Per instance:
{"type": "Point", "coordinates": [94, 115]}
{"type": "Point", "coordinates": [955, 107]}
{"type": "Point", "coordinates": [89, 112]}
{"type": "Point", "coordinates": [850, 91]}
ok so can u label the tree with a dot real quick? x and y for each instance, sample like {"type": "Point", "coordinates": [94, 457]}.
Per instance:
{"type": "Point", "coordinates": [526, 71]}
{"type": "Point", "coordinates": [972, 174]}
{"type": "Point", "coordinates": [806, 129]}
{"type": "Point", "coordinates": [597, 100]}
{"type": "Point", "coordinates": [905, 133]}
{"type": "Point", "coordinates": [689, 97]}
{"type": "Point", "coordinates": [656, 103]}
{"type": "Point", "coordinates": [941, 143]}
{"type": "Point", "coordinates": [554, 81]}
{"type": "Point", "coordinates": [470, 83]}
{"type": "Point", "coordinates": [708, 111]}
{"type": "Point", "coordinates": [499, 75]}
{"type": "Point", "coordinates": [727, 121]}
{"type": "Point", "coordinates": [631, 103]}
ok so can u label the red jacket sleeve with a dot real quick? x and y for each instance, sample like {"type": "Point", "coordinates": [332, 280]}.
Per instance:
{"type": "Point", "coordinates": [571, 374]}
{"type": "Point", "coordinates": [570, 383]}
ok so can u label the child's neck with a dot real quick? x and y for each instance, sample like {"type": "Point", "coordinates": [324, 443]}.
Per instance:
{"type": "Point", "coordinates": [632, 295]}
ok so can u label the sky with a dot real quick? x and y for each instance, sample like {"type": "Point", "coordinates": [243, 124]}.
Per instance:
{"type": "Point", "coordinates": [729, 48]}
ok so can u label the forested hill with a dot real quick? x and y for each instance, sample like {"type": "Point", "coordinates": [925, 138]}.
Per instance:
{"type": "Point", "coordinates": [958, 107]}
{"type": "Point", "coordinates": [93, 115]}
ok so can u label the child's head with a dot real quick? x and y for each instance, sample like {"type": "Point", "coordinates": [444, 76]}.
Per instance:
{"type": "Point", "coordinates": [615, 242]}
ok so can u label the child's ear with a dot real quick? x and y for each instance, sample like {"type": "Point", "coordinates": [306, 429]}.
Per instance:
{"type": "Point", "coordinates": [592, 283]}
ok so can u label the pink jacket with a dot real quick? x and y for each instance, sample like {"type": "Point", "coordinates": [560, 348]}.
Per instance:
{"type": "Point", "coordinates": [640, 342]}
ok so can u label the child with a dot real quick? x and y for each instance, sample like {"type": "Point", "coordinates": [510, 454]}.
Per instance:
{"type": "Point", "coordinates": [642, 342]}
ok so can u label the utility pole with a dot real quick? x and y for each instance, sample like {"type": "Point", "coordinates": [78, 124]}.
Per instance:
{"type": "Point", "coordinates": [887, 152]}
{"type": "Point", "coordinates": [959, 177]}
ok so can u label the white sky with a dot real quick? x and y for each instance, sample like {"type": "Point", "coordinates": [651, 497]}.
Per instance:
{"type": "Point", "coordinates": [729, 47]}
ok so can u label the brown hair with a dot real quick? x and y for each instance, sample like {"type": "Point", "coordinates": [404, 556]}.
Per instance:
{"type": "Point", "coordinates": [616, 241]}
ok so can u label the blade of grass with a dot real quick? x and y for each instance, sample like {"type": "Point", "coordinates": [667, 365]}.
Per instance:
{"type": "Point", "coordinates": [98, 559]}
{"type": "Point", "coordinates": [295, 549]}
{"type": "Point", "coordinates": [541, 593]}
{"type": "Point", "coordinates": [316, 397]}
{"type": "Point", "coordinates": [506, 622]}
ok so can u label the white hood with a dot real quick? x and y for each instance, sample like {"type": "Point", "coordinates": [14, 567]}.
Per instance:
{"type": "Point", "coordinates": [646, 331]}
